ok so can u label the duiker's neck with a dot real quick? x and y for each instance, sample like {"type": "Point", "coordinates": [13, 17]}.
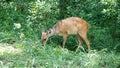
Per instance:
{"type": "Point", "coordinates": [54, 28]}
{"type": "Point", "coordinates": [52, 31]}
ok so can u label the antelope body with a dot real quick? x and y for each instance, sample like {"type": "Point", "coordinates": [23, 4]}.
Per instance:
{"type": "Point", "coordinates": [72, 25]}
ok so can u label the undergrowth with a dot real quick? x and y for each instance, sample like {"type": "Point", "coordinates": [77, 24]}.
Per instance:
{"type": "Point", "coordinates": [33, 55]}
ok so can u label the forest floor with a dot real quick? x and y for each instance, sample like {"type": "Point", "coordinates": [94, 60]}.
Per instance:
{"type": "Point", "coordinates": [32, 55]}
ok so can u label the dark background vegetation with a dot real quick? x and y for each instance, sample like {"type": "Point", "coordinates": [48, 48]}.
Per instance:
{"type": "Point", "coordinates": [20, 34]}
{"type": "Point", "coordinates": [102, 15]}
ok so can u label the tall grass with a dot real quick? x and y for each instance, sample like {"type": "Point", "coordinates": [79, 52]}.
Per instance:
{"type": "Point", "coordinates": [34, 55]}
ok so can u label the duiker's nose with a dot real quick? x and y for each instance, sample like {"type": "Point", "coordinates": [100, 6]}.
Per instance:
{"type": "Point", "coordinates": [42, 44]}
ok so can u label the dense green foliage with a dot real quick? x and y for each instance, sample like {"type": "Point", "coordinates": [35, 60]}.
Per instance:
{"type": "Point", "coordinates": [21, 22]}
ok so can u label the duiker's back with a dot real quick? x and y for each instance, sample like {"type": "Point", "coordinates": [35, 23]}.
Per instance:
{"type": "Point", "coordinates": [71, 25]}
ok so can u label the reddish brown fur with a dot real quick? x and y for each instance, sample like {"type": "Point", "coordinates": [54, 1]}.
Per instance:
{"type": "Point", "coordinates": [72, 25]}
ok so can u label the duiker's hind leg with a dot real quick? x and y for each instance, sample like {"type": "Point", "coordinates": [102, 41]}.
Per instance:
{"type": "Point", "coordinates": [64, 40]}
{"type": "Point", "coordinates": [80, 42]}
{"type": "Point", "coordinates": [84, 37]}
{"type": "Point", "coordinates": [79, 39]}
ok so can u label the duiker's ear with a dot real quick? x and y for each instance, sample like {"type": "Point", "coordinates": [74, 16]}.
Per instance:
{"type": "Point", "coordinates": [42, 29]}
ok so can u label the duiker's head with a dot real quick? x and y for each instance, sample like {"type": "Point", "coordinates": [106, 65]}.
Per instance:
{"type": "Point", "coordinates": [45, 36]}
